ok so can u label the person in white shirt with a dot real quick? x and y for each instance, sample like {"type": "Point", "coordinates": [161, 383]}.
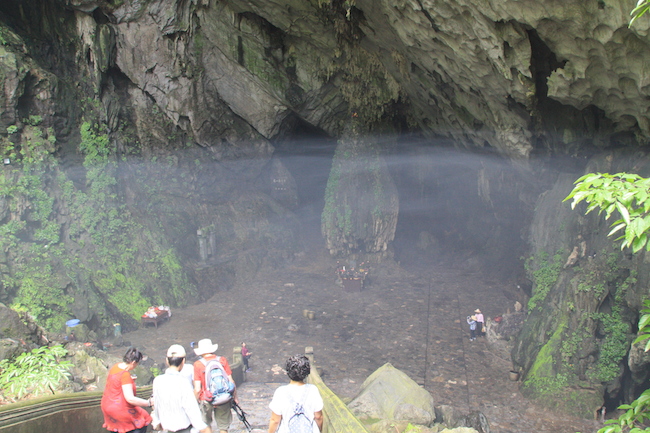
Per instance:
{"type": "Point", "coordinates": [297, 393]}
{"type": "Point", "coordinates": [175, 407]}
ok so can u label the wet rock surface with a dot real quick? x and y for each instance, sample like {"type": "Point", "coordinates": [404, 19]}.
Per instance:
{"type": "Point", "coordinates": [412, 318]}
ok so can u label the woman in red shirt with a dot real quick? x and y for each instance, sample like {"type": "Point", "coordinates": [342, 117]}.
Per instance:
{"type": "Point", "coordinates": [122, 410]}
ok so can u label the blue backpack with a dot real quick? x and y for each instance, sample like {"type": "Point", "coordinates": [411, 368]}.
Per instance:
{"type": "Point", "coordinates": [219, 387]}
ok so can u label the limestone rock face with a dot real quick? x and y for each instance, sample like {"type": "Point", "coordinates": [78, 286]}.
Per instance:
{"type": "Point", "coordinates": [477, 72]}
{"type": "Point", "coordinates": [597, 292]}
{"type": "Point", "coordinates": [191, 94]}
{"type": "Point", "coordinates": [389, 393]}
{"type": "Point", "coordinates": [361, 202]}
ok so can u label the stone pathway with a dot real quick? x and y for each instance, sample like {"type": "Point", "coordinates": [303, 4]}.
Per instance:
{"type": "Point", "coordinates": [413, 319]}
{"type": "Point", "coordinates": [254, 399]}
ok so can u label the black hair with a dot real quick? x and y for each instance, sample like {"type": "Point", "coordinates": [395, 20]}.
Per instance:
{"type": "Point", "coordinates": [131, 355]}
{"type": "Point", "coordinates": [175, 361]}
{"type": "Point", "coordinates": [297, 367]}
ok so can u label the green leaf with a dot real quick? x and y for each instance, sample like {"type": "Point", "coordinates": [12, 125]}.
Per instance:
{"type": "Point", "coordinates": [616, 228]}
{"type": "Point", "coordinates": [623, 211]}
{"type": "Point", "coordinates": [639, 243]}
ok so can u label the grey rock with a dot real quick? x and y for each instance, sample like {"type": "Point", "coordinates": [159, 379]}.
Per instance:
{"type": "Point", "coordinates": [388, 393]}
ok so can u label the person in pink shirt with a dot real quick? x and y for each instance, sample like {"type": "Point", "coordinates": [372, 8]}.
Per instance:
{"type": "Point", "coordinates": [480, 323]}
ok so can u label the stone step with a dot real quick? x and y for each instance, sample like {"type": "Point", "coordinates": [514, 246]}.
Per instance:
{"type": "Point", "coordinates": [254, 399]}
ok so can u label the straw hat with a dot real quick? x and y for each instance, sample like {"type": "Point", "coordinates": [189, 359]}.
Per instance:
{"type": "Point", "coordinates": [477, 311]}
{"type": "Point", "coordinates": [205, 346]}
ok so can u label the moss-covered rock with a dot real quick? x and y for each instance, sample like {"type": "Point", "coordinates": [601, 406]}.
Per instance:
{"type": "Point", "coordinates": [389, 394]}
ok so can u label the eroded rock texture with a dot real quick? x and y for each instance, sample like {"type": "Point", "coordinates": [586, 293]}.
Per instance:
{"type": "Point", "coordinates": [139, 151]}
{"type": "Point", "coordinates": [478, 73]}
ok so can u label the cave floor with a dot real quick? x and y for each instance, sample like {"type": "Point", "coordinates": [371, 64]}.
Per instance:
{"type": "Point", "coordinates": [411, 318]}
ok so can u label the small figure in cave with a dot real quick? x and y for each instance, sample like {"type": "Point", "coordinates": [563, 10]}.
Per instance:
{"type": "Point", "coordinates": [471, 321]}
{"type": "Point", "coordinates": [245, 354]}
{"type": "Point", "coordinates": [480, 323]}
{"type": "Point", "coordinates": [222, 413]}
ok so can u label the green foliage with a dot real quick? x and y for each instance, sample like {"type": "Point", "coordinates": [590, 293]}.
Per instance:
{"type": "Point", "coordinates": [544, 277]}
{"type": "Point", "coordinates": [127, 266]}
{"type": "Point", "coordinates": [637, 412]}
{"type": "Point", "coordinates": [614, 346]}
{"type": "Point", "coordinates": [331, 211]}
{"type": "Point", "coordinates": [121, 271]}
{"type": "Point", "coordinates": [544, 378]}
{"type": "Point", "coordinates": [624, 193]}
{"type": "Point", "coordinates": [94, 144]}
{"type": "Point", "coordinates": [33, 120]}
{"type": "Point", "coordinates": [41, 296]}
{"type": "Point", "coordinates": [644, 326]}
{"type": "Point", "coordinates": [627, 194]}
{"type": "Point", "coordinates": [35, 147]}
{"type": "Point", "coordinates": [34, 373]}
{"type": "Point", "coordinates": [642, 6]}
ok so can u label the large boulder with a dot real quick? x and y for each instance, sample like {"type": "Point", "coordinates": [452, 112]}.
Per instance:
{"type": "Point", "coordinates": [389, 394]}
{"type": "Point", "coordinates": [18, 333]}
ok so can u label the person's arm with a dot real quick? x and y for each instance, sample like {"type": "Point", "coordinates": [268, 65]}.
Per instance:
{"type": "Point", "coordinates": [318, 417]}
{"type": "Point", "coordinates": [197, 389]}
{"type": "Point", "coordinates": [206, 430]}
{"type": "Point", "coordinates": [127, 390]}
{"type": "Point", "coordinates": [275, 422]}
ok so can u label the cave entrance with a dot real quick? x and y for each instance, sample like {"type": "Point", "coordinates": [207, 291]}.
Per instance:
{"type": "Point", "coordinates": [307, 152]}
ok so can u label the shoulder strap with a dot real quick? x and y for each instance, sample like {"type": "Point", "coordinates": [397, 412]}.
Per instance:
{"type": "Point", "coordinates": [303, 397]}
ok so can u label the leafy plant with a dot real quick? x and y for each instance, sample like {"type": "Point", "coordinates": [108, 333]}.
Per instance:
{"type": "Point", "coordinates": [544, 276]}
{"type": "Point", "coordinates": [644, 326]}
{"type": "Point", "coordinates": [637, 412]}
{"type": "Point", "coordinates": [34, 373]}
{"type": "Point", "coordinates": [627, 193]}
{"type": "Point", "coordinates": [641, 8]}
{"type": "Point", "coordinates": [623, 192]}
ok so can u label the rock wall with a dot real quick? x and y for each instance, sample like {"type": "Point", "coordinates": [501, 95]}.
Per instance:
{"type": "Point", "coordinates": [148, 126]}
{"type": "Point", "coordinates": [482, 74]}
{"type": "Point", "coordinates": [574, 349]}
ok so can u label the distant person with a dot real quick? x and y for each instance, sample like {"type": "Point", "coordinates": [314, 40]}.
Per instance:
{"type": "Point", "coordinates": [122, 409]}
{"type": "Point", "coordinates": [471, 321]}
{"type": "Point", "coordinates": [245, 354]}
{"type": "Point", "coordinates": [480, 323]}
{"type": "Point", "coordinates": [175, 406]}
{"type": "Point", "coordinates": [221, 413]}
{"type": "Point", "coordinates": [297, 406]}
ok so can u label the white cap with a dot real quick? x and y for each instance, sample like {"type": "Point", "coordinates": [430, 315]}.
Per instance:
{"type": "Point", "coordinates": [176, 351]}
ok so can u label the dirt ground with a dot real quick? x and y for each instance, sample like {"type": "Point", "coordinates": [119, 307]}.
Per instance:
{"type": "Point", "coordinates": [413, 318]}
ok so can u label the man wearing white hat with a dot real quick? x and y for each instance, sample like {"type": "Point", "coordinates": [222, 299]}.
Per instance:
{"type": "Point", "coordinates": [222, 413]}
{"type": "Point", "coordinates": [175, 406]}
